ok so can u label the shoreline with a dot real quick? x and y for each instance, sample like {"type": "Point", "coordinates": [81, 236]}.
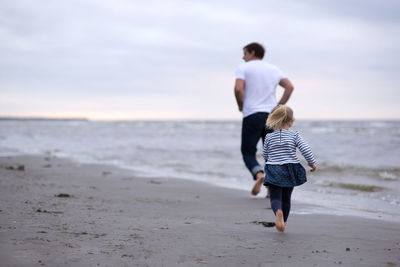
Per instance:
{"type": "Point", "coordinates": [304, 205]}
{"type": "Point", "coordinates": [56, 212]}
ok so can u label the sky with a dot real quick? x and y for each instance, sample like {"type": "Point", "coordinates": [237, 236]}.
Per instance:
{"type": "Point", "coordinates": [176, 59]}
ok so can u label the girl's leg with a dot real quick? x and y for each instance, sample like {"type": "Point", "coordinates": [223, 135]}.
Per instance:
{"type": "Point", "coordinates": [276, 205]}
{"type": "Point", "coordinates": [286, 200]}
{"type": "Point", "coordinates": [275, 193]}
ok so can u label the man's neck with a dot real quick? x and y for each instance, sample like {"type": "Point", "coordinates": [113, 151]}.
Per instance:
{"type": "Point", "coordinates": [255, 58]}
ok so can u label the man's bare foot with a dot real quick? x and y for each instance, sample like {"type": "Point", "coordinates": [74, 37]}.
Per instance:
{"type": "Point", "coordinates": [279, 223]}
{"type": "Point", "coordinates": [257, 186]}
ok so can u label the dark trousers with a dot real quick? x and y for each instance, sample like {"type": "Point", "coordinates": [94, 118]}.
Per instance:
{"type": "Point", "coordinates": [280, 199]}
{"type": "Point", "coordinates": [253, 129]}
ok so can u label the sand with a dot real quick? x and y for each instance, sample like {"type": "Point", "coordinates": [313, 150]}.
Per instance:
{"type": "Point", "coordinates": [55, 212]}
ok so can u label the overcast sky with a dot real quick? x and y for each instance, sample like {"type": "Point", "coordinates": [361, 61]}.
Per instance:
{"type": "Point", "coordinates": [176, 59]}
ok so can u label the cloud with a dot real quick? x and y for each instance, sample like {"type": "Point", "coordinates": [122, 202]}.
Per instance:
{"type": "Point", "coordinates": [185, 52]}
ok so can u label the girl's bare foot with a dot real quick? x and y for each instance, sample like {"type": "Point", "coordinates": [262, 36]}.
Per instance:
{"type": "Point", "coordinates": [279, 223]}
{"type": "Point", "coordinates": [257, 186]}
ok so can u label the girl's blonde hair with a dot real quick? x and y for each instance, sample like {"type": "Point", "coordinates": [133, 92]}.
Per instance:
{"type": "Point", "coordinates": [279, 117]}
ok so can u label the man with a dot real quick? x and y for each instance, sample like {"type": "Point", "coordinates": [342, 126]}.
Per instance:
{"type": "Point", "coordinates": [255, 87]}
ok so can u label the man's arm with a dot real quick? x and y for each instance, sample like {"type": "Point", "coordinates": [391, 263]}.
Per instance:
{"type": "Point", "coordinates": [288, 87]}
{"type": "Point", "coordinates": [239, 93]}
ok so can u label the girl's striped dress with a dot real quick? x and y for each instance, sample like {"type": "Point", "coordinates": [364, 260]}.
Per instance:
{"type": "Point", "coordinates": [282, 167]}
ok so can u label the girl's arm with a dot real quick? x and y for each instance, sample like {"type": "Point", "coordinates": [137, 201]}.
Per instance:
{"type": "Point", "coordinates": [305, 151]}
{"type": "Point", "coordinates": [313, 167]}
{"type": "Point", "coordinates": [265, 150]}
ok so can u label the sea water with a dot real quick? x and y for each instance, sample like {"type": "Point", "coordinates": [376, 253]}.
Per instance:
{"type": "Point", "coordinates": [358, 161]}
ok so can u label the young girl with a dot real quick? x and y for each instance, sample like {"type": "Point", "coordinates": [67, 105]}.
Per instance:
{"type": "Point", "coordinates": [283, 170]}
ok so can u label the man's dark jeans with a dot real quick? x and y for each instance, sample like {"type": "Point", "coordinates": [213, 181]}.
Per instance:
{"type": "Point", "coordinates": [253, 129]}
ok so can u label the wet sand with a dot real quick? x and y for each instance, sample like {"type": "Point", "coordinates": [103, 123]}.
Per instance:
{"type": "Point", "coordinates": [55, 212]}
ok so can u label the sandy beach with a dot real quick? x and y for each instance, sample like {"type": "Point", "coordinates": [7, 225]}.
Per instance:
{"type": "Point", "coordinates": [55, 212]}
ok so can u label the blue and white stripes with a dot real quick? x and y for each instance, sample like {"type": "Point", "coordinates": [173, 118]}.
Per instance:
{"type": "Point", "coordinates": [280, 148]}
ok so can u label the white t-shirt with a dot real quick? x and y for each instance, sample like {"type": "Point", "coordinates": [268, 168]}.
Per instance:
{"type": "Point", "coordinates": [261, 80]}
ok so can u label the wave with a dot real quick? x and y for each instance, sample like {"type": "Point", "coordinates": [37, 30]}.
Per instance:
{"type": "Point", "coordinates": [390, 127]}
{"type": "Point", "coordinates": [380, 173]}
{"type": "Point", "coordinates": [357, 187]}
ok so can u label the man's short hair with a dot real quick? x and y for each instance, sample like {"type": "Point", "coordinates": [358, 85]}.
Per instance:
{"type": "Point", "coordinates": [258, 49]}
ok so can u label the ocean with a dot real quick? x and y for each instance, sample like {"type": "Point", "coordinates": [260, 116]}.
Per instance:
{"type": "Point", "coordinates": [358, 161]}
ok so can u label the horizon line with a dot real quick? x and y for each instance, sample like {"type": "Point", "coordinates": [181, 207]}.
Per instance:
{"type": "Point", "coordinates": [73, 118]}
